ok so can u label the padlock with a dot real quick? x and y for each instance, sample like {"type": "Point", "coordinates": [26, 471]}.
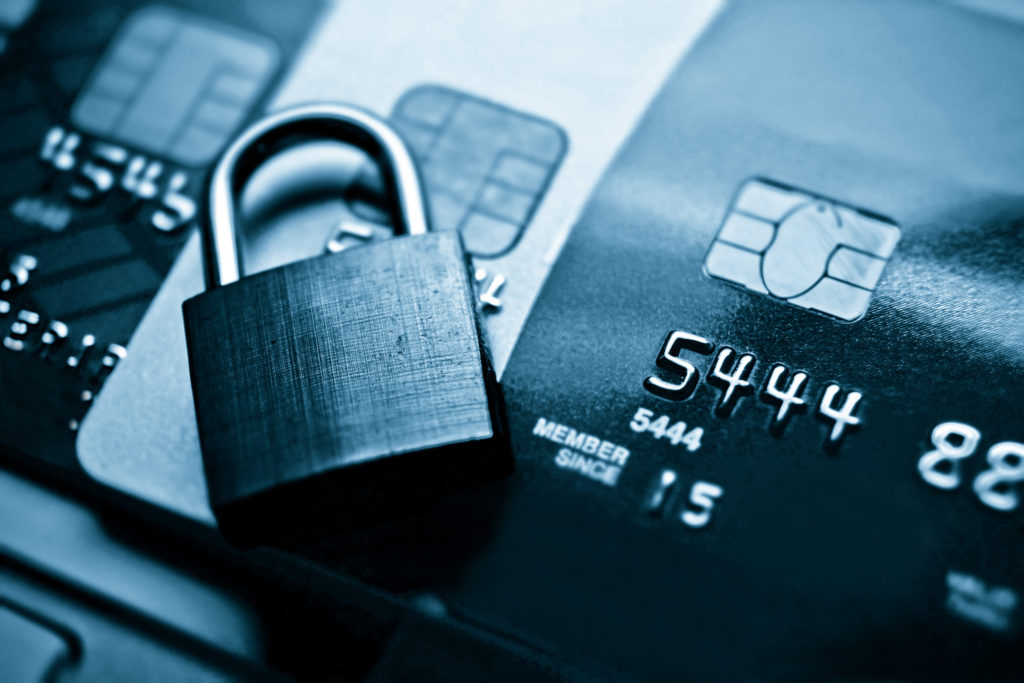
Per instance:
{"type": "Point", "coordinates": [341, 390]}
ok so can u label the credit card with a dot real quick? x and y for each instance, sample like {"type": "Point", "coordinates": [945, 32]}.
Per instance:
{"type": "Point", "coordinates": [738, 477]}
{"type": "Point", "coordinates": [111, 114]}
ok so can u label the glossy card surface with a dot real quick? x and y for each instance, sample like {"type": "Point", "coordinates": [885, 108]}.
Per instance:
{"type": "Point", "coordinates": [735, 485]}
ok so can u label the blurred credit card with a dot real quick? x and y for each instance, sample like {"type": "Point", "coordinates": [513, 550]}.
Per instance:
{"type": "Point", "coordinates": [106, 137]}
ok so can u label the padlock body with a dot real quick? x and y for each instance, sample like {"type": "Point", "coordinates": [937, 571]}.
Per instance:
{"type": "Point", "coordinates": [341, 387]}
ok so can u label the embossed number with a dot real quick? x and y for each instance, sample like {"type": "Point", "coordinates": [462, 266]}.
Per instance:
{"type": "Point", "coordinates": [948, 453]}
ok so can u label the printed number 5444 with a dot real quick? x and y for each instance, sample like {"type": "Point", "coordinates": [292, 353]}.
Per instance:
{"type": "Point", "coordinates": [662, 427]}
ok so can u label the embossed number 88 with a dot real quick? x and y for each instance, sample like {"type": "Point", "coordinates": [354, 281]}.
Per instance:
{"type": "Point", "coordinates": [956, 441]}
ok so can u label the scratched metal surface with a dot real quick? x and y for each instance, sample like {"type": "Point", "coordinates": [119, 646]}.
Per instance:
{"type": "Point", "coordinates": [339, 366]}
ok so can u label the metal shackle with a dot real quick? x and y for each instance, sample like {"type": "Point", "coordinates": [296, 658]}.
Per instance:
{"type": "Point", "coordinates": [307, 123]}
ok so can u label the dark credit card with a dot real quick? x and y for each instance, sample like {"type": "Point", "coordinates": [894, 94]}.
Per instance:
{"type": "Point", "coordinates": [763, 410]}
{"type": "Point", "coordinates": [111, 113]}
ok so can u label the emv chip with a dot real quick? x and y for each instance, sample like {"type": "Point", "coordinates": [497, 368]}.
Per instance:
{"type": "Point", "coordinates": [175, 85]}
{"type": "Point", "coordinates": [809, 251]}
{"type": "Point", "coordinates": [485, 165]}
